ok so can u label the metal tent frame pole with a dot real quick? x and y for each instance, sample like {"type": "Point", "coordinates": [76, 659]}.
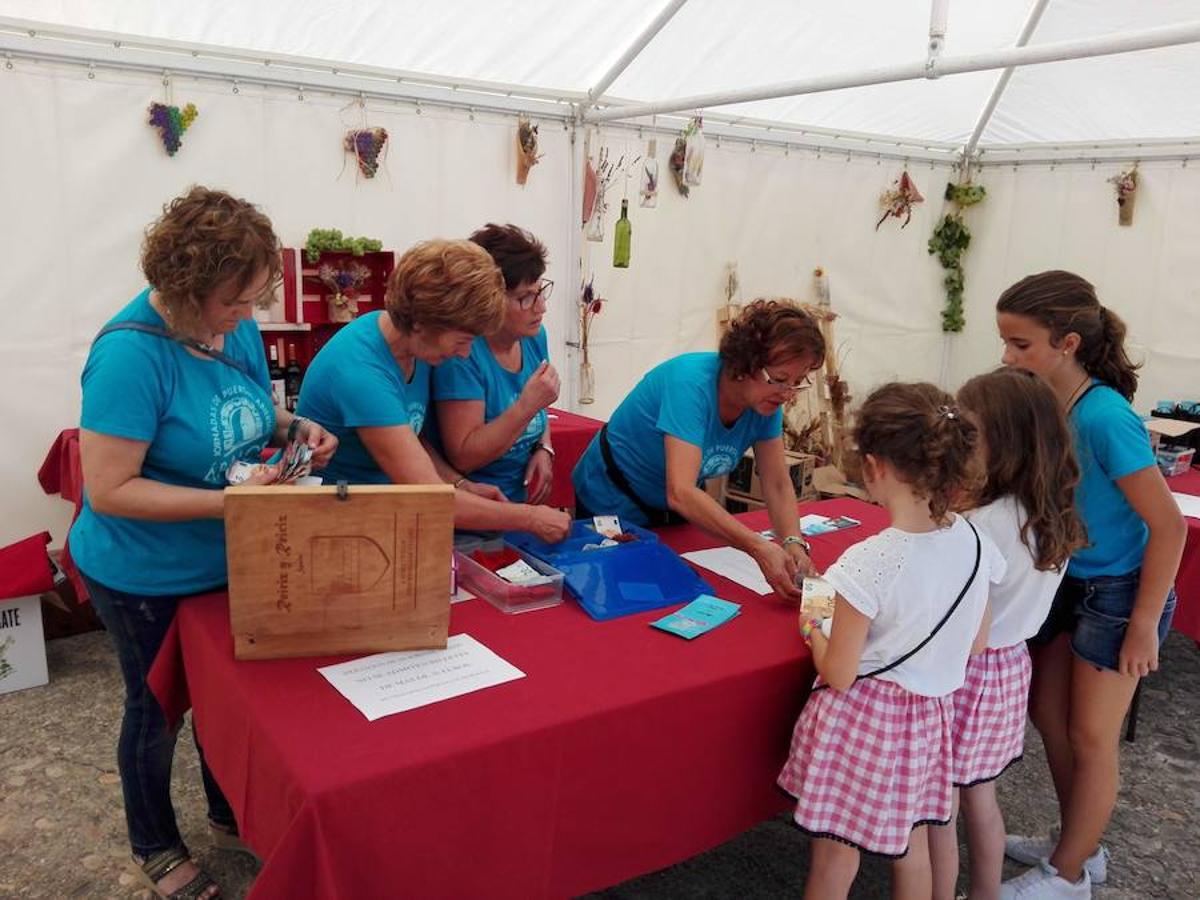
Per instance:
{"type": "Point", "coordinates": [1149, 39]}
{"type": "Point", "coordinates": [614, 71]}
{"type": "Point", "coordinates": [1031, 23]}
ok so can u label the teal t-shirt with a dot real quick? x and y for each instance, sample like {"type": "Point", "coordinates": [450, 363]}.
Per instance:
{"type": "Point", "coordinates": [197, 416]}
{"type": "Point", "coordinates": [677, 398]}
{"type": "Point", "coordinates": [1110, 442]}
{"type": "Point", "coordinates": [481, 377]}
{"type": "Point", "coordinates": [355, 382]}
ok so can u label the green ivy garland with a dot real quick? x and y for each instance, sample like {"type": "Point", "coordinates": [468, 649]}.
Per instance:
{"type": "Point", "coordinates": [950, 240]}
{"type": "Point", "coordinates": [330, 240]}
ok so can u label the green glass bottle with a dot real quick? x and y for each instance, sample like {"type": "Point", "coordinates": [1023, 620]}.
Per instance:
{"type": "Point", "coordinates": [622, 237]}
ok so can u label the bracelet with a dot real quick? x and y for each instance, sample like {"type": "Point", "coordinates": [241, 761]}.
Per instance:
{"type": "Point", "coordinates": [294, 426]}
{"type": "Point", "coordinates": [796, 539]}
{"type": "Point", "coordinates": [808, 628]}
{"type": "Point", "coordinates": [542, 445]}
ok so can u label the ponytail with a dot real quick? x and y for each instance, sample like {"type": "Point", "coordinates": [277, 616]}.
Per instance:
{"type": "Point", "coordinates": [1107, 359]}
{"type": "Point", "coordinates": [1063, 303]}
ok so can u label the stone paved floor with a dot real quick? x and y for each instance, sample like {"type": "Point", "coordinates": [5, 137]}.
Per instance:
{"type": "Point", "coordinates": [62, 828]}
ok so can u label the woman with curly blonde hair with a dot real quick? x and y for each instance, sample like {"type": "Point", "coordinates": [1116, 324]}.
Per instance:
{"type": "Point", "coordinates": [691, 418]}
{"type": "Point", "coordinates": [370, 384]}
{"type": "Point", "coordinates": [175, 390]}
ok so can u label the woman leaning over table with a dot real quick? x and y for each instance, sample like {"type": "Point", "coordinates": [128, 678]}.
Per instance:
{"type": "Point", "coordinates": [691, 418]}
{"type": "Point", "coordinates": [491, 406]}
{"type": "Point", "coordinates": [370, 384]}
{"type": "Point", "coordinates": [175, 389]}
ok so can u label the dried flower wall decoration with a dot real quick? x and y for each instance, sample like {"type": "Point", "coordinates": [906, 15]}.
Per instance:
{"type": "Point", "coordinates": [527, 148]}
{"type": "Point", "coordinates": [898, 201]}
{"type": "Point", "coordinates": [676, 163]}
{"type": "Point", "coordinates": [1126, 185]}
{"type": "Point", "coordinates": [172, 122]}
{"type": "Point", "coordinates": [950, 241]}
{"type": "Point", "coordinates": [367, 145]}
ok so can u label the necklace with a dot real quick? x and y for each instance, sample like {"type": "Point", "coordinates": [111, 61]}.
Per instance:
{"type": "Point", "coordinates": [1071, 398]}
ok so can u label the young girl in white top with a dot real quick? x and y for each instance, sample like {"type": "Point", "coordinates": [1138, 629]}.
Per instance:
{"type": "Point", "coordinates": [1026, 507]}
{"type": "Point", "coordinates": [870, 762]}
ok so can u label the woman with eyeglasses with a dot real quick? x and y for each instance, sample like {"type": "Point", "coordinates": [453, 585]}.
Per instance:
{"type": "Point", "coordinates": [491, 406]}
{"type": "Point", "coordinates": [370, 384]}
{"type": "Point", "coordinates": [692, 418]}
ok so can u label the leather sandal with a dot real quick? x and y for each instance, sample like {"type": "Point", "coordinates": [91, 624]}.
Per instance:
{"type": "Point", "coordinates": [159, 865]}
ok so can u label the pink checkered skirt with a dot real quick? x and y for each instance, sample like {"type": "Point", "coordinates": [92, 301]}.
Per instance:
{"type": "Point", "coordinates": [870, 764]}
{"type": "Point", "coordinates": [989, 714]}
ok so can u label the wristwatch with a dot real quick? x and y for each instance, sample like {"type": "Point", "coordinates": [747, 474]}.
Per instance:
{"type": "Point", "coordinates": [796, 539]}
{"type": "Point", "coordinates": [542, 445]}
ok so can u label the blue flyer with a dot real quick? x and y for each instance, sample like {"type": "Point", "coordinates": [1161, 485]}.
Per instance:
{"type": "Point", "coordinates": [703, 614]}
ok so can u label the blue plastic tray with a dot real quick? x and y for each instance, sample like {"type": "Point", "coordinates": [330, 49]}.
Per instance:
{"type": "Point", "coordinates": [631, 579]}
{"type": "Point", "coordinates": [571, 547]}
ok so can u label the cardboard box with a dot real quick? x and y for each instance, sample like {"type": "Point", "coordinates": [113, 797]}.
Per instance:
{"type": "Point", "coordinates": [744, 479]}
{"type": "Point", "coordinates": [1170, 431]}
{"type": "Point", "coordinates": [313, 572]}
{"type": "Point", "coordinates": [22, 644]}
{"type": "Point", "coordinates": [830, 482]}
{"type": "Point", "coordinates": [740, 503]}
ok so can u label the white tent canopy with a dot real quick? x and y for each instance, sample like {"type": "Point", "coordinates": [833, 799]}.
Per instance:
{"type": "Point", "coordinates": [561, 50]}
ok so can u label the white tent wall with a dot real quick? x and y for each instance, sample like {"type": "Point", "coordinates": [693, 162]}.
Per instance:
{"type": "Point", "coordinates": [81, 175]}
{"type": "Point", "coordinates": [779, 217]}
{"type": "Point", "coordinates": [1037, 218]}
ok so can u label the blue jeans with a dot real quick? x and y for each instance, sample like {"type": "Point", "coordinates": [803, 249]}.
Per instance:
{"type": "Point", "coordinates": [1095, 612]}
{"type": "Point", "coordinates": [138, 624]}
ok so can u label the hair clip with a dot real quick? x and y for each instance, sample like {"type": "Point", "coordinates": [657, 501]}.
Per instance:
{"type": "Point", "coordinates": [948, 412]}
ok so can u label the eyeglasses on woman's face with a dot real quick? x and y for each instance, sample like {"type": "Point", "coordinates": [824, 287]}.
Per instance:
{"type": "Point", "coordinates": [782, 384]}
{"type": "Point", "coordinates": [527, 297]}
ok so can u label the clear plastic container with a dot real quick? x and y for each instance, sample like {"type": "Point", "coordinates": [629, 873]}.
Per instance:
{"type": "Point", "coordinates": [1175, 460]}
{"type": "Point", "coordinates": [505, 596]}
{"type": "Point", "coordinates": [467, 542]}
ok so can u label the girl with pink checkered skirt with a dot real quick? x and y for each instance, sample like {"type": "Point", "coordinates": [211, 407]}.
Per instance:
{"type": "Point", "coordinates": [1026, 506]}
{"type": "Point", "coordinates": [871, 759]}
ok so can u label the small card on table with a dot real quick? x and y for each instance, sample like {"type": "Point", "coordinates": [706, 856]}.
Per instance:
{"type": "Point", "coordinates": [816, 524]}
{"type": "Point", "coordinates": [701, 615]}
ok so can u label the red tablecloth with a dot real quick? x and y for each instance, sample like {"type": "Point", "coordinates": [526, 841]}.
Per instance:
{"type": "Point", "coordinates": [623, 750]}
{"type": "Point", "coordinates": [62, 473]}
{"type": "Point", "coordinates": [570, 433]}
{"type": "Point", "coordinates": [1187, 582]}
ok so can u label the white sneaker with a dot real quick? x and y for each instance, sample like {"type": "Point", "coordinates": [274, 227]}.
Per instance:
{"type": "Point", "coordinates": [1029, 851]}
{"type": "Point", "coordinates": [1043, 881]}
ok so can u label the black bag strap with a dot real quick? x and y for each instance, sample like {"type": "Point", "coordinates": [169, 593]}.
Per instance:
{"type": "Point", "coordinates": [938, 627]}
{"type": "Point", "coordinates": [157, 331]}
{"type": "Point", "coordinates": [617, 477]}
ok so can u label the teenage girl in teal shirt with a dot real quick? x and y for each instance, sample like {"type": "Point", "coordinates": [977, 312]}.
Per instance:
{"type": "Point", "coordinates": [1113, 610]}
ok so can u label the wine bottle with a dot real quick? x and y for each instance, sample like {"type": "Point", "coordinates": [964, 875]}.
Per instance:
{"type": "Point", "coordinates": [275, 372]}
{"type": "Point", "coordinates": [622, 237]}
{"type": "Point", "coordinates": [292, 376]}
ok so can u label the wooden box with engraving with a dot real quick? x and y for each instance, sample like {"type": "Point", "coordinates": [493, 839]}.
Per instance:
{"type": "Point", "coordinates": [313, 573]}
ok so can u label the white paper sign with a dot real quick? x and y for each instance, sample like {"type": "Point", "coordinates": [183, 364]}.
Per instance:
{"type": "Point", "coordinates": [732, 564]}
{"type": "Point", "coordinates": [1189, 504]}
{"type": "Point", "coordinates": [388, 683]}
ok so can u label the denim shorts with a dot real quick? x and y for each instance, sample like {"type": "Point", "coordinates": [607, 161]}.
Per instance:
{"type": "Point", "coordinates": [1095, 612]}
